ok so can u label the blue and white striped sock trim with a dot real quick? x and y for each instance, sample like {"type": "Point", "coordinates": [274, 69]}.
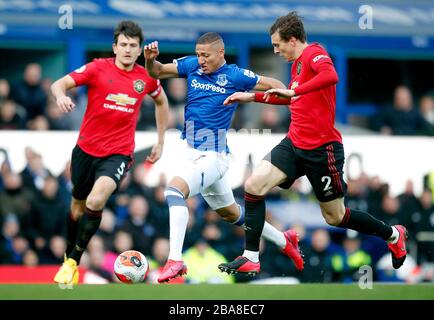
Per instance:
{"type": "Point", "coordinates": [241, 219]}
{"type": "Point", "coordinates": [174, 197]}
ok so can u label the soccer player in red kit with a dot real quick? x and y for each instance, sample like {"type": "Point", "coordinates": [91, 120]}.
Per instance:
{"type": "Point", "coordinates": [312, 147]}
{"type": "Point", "coordinates": [103, 154]}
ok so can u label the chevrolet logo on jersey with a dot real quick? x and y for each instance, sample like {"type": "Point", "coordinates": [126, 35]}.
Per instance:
{"type": "Point", "coordinates": [121, 99]}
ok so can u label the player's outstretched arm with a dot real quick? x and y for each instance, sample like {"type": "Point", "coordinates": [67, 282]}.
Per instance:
{"type": "Point", "coordinates": [155, 68]}
{"type": "Point", "coordinates": [161, 118]}
{"type": "Point", "coordinates": [266, 83]}
{"type": "Point", "coordinates": [268, 97]}
{"type": "Point", "coordinates": [280, 93]}
{"type": "Point", "coordinates": [58, 90]}
{"type": "Point", "coordinates": [239, 97]}
{"type": "Point", "coordinates": [276, 96]}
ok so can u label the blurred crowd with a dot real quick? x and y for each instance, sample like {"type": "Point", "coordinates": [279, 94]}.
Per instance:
{"type": "Point", "coordinates": [34, 204]}
{"type": "Point", "coordinates": [28, 105]}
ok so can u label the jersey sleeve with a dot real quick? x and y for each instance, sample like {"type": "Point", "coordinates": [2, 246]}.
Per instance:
{"type": "Point", "coordinates": [273, 99]}
{"type": "Point", "coordinates": [318, 58]}
{"type": "Point", "coordinates": [85, 74]}
{"type": "Point", "coordinates": [325, 73]}
{"type": "Point", "coordinates": [154, 87]}
{"type": "Point", "coordinates": [186, 65]}
{"type": "Point", "coordinates": [245, 79]}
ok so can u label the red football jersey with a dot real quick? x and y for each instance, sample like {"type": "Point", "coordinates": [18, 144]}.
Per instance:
{"type": "Point", "coordinates": [312, 113]}
{"type": "Point", "coordinates": [114, 100]}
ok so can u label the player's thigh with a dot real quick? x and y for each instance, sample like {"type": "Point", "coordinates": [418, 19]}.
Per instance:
{"type": "Point", "coordinates": [324, 169]}
{"type": "Point", "coordinates": [109, 173]}
{"type": "Point", "coordinates": [265, 176]}
{"type": "Point", "coordinates": [219, 194]}
{"type": "Point", "coordinates": [102, 189]}
{"type": "Point", "coordinates": [278, 168]}
{"type": "Point", "coordinates": [82, 173]}
{"type": "Point", "coordinates": [204, 171]}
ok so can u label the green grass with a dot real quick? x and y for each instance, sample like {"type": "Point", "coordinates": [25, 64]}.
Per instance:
{"type": "Point", "coordinates": [219, 292]}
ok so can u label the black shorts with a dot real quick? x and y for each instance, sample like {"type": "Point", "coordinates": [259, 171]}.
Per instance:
{"type": "Point", "coordinates": [86, 169]}
{"type": "Point", "coordinates": [323, 166]}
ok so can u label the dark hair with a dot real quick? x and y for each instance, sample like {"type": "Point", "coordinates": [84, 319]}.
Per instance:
{"type": "Point", "coordinates": [289, 26]}
{"type": "Point", "coordinates": [129, 29]}
{"type": "Point", "coordinates": [208, 38]}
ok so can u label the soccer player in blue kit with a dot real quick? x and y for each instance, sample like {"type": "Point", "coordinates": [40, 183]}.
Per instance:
{"type": "Point", "coordinates": [210, 81]}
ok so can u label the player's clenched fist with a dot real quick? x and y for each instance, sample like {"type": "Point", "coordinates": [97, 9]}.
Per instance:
{"type": "Point", "coordinates": [65, 103]}
{"type": "Point", "coordinates": [151, 50]}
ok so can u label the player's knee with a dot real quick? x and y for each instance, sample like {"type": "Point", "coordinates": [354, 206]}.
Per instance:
{"type": "Point", "coordinates": [255, 186]}
{"type": "Point", "coordinates": [77, 210]}
{"type": "Point", "coordinates": [95, 202]}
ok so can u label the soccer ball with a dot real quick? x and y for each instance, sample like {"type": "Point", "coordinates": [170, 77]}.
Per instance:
{"type": "Point", "coordinates": [131, 266]}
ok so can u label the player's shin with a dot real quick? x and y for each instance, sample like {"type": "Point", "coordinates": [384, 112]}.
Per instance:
{"type": "Point", "coordinates": [269, 232]}
{"type": "Point", "coordinates": [71, 233]}
{"type": "Point", "coordinates": [365, 223]}
{"type": "Point", "coordinates": [87, 227]}
{"type": "Point", "coordinates": [178, 220]}
{"type": "Point", "coordinates": [255, 219]}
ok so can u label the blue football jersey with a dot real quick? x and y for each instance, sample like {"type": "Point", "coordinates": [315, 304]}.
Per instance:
{"type": "Point", "coordinates": [206, 119]}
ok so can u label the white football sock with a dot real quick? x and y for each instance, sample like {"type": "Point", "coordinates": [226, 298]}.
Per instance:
{"type": "Point", "coordinates": [270, 233]}
{"type": "Point", "coordinates": [251, 255]}
{"type": "Point", "coordinates": [178, 220]}
{"type": "Point", "coordinates": [394, 237]}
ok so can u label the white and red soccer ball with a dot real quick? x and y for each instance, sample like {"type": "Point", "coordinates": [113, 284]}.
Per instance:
{"type": "Point", "coordinates": [131, 266]}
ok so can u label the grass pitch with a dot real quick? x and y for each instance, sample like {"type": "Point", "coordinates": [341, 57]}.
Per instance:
{"type": "Point", "coordinates": [380, 291]}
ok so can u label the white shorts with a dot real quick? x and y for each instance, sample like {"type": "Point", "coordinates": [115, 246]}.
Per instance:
{"type": "Point", "coordinates": [205, 173]}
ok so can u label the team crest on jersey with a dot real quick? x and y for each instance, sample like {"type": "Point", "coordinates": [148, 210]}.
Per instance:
{"type": "Point", "coordinates": [221, 80]}
{"type": "Point", "coordinates": [139, 86]}
{"type": "Point", "coordinates": [298, 67]}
